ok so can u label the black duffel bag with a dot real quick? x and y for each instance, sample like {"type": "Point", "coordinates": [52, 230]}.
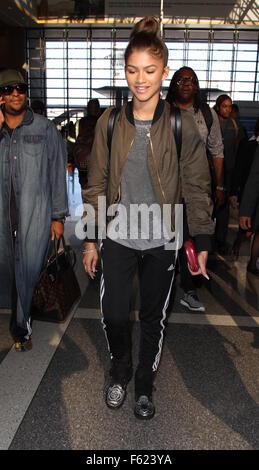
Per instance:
{"type": "Point", "coordinates": [57, 289]}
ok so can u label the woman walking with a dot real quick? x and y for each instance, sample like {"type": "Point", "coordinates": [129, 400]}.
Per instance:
{"type": "Point", "coordinates": [143, 169]}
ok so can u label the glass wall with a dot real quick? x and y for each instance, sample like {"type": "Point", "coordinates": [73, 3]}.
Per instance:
{"type": "Point", "coordinates": [70, 66]}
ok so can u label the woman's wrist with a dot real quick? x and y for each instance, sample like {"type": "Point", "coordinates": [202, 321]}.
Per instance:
{"type": "Point", "coordinates": [90, 247]}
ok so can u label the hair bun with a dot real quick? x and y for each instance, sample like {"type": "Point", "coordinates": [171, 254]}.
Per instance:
{"type": "Point", "coordinates": [146, 36]}
{"type": "Point", "coordinates": [148, 25]}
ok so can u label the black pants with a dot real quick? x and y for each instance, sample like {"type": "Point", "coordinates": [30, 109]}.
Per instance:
{"type": "Point", "coordinates": [222, 218]}
{"type": "Point", "coordinates": [222, 213]}
{"type": "Point", "coordinates": [187, 280]}
{"type": "Point", "coordinates": [82, 176]}
{"type": "Point", "coordinates": [156, 271]}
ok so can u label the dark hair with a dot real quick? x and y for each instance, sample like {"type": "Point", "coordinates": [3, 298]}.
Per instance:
{"type": "Point", "coordinates": [171, 94]}
{"type": "Point", "coordinates": [93, 107]}
{"type": "Point", "coordinates": [87, 123]}
{"type": "Point", "coordinates": [71, 126]}
{"type": "Point", "coordinates": [145, 35]}
{"type": "Point", "coordinates": [235, 107]}
{"type": "Point", "coordinates": [219, 102]}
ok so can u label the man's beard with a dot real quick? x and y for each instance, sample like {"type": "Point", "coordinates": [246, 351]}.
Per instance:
{"type": "Point", "coordinates": [183, 99]}
{"type": "Point", "coordinates": [16, 112]}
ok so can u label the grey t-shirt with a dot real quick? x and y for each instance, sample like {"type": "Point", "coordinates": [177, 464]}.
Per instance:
{"type": "Point", "coordinates": [128, 228]}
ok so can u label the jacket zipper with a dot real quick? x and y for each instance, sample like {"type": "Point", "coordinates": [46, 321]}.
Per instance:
{"type": "Point", "coordinates": [152, 151]}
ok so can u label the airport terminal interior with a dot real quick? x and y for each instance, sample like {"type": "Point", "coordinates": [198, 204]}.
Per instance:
{"type": "Point", "coordinates": [207, 386]}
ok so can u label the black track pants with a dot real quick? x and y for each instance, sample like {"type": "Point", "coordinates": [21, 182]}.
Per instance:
{"type": "Point", "coordinates": [156, 271]}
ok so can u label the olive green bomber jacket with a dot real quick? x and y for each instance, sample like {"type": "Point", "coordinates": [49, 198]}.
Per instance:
{"type": "Point", "coordinates": [193, 182]}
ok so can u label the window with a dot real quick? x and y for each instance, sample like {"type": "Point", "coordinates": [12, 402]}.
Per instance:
{"type": "Point", "coordinates": [69, 67]}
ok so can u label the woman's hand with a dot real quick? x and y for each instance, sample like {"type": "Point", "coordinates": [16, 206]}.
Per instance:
{"type": "Point", "coordinates": [90, 258]}
{"type": "Point", "coordinates": [202, 260]}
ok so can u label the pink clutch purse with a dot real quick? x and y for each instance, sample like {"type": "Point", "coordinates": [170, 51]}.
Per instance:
{"type": "Point", "coordinates": [191, 256]}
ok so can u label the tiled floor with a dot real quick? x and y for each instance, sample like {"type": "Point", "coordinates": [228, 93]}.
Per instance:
{"type": "Point", "coordinates": [207, 389]}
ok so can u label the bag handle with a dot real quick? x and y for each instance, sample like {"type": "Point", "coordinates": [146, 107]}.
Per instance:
{"type": "Point", "coordinates": [67, 249]}
{"type": "Point", "coordinates": [57, 244]}
{"type": "Point", "coordinates": [54, 248]}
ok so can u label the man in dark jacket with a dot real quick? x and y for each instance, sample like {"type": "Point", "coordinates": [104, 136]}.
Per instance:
{"type": "Point", "coordinates": [33, 199]}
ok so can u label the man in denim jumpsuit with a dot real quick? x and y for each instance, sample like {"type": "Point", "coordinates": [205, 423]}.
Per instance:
{"type": "Point", "coordinates": [33, 199]}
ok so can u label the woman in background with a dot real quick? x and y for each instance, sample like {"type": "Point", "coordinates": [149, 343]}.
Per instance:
{"type": "Point", "coordinates": [231, 135]}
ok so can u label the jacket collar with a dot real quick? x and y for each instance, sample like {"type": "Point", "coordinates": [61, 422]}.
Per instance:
{"type": "Point", "coordinates": [28, 117]}
{"type": "Point", "coordinates": [158, 111]}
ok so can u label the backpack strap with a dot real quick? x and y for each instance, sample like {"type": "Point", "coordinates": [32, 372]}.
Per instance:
{"type": "Point", "coordinates": [176, 125]}
{"type": "Point", "coordinates": [207, 114]}
{"type": "Point", "coordinates": [110, 128]}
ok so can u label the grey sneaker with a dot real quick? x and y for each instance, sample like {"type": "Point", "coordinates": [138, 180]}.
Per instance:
{"type": "Point", "coordinates": [115, 395]}
{"type": "Point", "coordinates": [191, 301]}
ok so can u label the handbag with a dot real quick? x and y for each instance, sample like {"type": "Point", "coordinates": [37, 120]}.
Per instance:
{"type": "Point", "coordinates": [57, 289]}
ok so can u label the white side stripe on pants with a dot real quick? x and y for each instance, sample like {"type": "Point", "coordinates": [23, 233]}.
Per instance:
{"type": "Point", "coordinates": [102, 290]}
{"type": "Point", "coordinates": [160, 344]}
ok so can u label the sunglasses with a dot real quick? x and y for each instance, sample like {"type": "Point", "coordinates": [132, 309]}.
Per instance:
{"type": "Point", "coordinates": [186, 81]}
{"type": "Point", "coordinates": [21, 88]}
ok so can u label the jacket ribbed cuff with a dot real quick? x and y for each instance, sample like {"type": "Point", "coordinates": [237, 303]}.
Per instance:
{"type": "Point", "coordinates": [203, 242]}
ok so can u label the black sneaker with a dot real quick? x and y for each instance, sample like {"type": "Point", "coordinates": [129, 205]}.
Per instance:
{"type": "Point", "coordinates": [115, 391]}
{"type": "Point", "coordinates": [144, 407]}
{"type": "Point", "coordinates": [115, 395]}
{"type": "Point", "coordinates": [222, 249]}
